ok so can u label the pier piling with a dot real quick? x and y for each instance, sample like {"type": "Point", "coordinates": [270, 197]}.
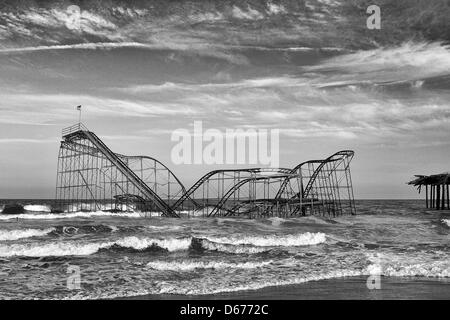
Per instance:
{"type": "Point", "coordinates": [438, 185]}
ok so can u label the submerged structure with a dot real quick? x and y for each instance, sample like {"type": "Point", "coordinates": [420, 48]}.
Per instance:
{"type": "Point", "coordinates": [437, 195]}
{"type": "Point", "coordinates": [92, 177]}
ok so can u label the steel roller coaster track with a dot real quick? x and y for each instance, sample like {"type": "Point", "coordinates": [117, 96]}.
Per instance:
{"type": "Point", "coordinates": [91, 176]}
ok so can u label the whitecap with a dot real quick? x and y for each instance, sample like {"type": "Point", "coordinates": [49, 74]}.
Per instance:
{"type": "Point", "coordinates": [78, 214]}
{"type": "Point", "coordinates": [193, 265]}
{"type": "Point", "coordinates": [74, 248]}
{"type": "Point", "coordinates": [303, 239]}
{"type": "Point", "coordinates": [37, 208]}
{"type": "Point", "coordinates": [9, 235]}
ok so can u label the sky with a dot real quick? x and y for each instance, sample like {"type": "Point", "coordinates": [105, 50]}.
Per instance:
{"type": "Point", "coordinates": [310, 68]}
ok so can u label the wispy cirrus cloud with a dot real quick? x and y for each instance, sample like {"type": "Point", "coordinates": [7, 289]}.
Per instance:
{"type": "Point", "coordinates": [41, 109]}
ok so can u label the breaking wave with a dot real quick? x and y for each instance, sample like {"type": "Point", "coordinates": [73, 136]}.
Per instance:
{"type": "Point", "coordinates": [293, 240]}
{"type": "Point", "coordinates": [205, 244]}
{"type": "Point", "coordinates": [192, 265]}
{"type": "Point", "coordinates": [435, 269]}
{"type": "Point", "coordinates": [276, 221]}
{"type": "Point", "coordinates": [80, 214]}
{"type": "Point", "coordinates": [37, 208]}
{"type": "Point", "coordinates": [168, 288]}
{"type": "Point", "coordinates": [9, 235]}
{"type": "Point", "coordinates": [88, 229]}
{"type": "Point", "coordinates": [410, 266]}
{"type": "Point", "coordinates": [230, 245]}
{"type": "Point", "coordinates": [86, 248]}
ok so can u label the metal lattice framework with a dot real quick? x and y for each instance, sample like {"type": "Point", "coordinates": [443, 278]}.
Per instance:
{"type": "Point", "coordinates": [92, 177]}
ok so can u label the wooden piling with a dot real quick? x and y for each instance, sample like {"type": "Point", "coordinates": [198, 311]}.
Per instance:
{"type": "Point", "coordinates": [448, 197]}
{"type": "Point", "coordinates": [438, 197]}
{"type": "Point", "coordinates": [437, 190]}
{"type": "Point", "coordinates": [432, 196]}
{"type": "Point", "coordinates": [443, 196]}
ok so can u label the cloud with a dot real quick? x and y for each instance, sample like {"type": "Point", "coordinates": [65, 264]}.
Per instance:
{"type": "Point", "coordinates": [198, 49]}
{"type": "Point", "coordinates": [41, 109]}
{"type": "Point", "coordinates": [249, 14]}
{"type": "Point", "coordinates": [25, 140]}
{"type": "Point", "coordinates": [310, 107]}
{"type": "Point", "coordinates": [275, 8]}
{"type": "Point", "coordinates": [79, 46]}
{"type": "Point", "coordinates": [409, 61]}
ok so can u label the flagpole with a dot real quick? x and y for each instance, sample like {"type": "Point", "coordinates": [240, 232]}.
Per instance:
{"type": "Point", "coordinates": [79, 114]}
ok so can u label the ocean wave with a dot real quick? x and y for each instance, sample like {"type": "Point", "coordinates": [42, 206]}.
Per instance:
{"type": "Point", "coordinates": [86, 229]}
{"type": "Point", "coordinates": [206, 244]}
{"type": "Point", "coordinates": [420, 265]}
{"type": "Point", "coordinates": [74, 248]}
{"type": "Point", "coordinates": [171, 244]}
{"type": "Point", "coordinates": [79, 214]}
{"type": "Point", "coordinates": [430, 270]}
{"type": "Point", "coordinates": [205, 286]}
{"type": "Point", "coordinates": [193, 265]}
{"type": "Point", "coordinates": [276, 221]}
{"type": "Point", "coordinates": [247, 245]}
{"type": "Point", "coordinates": [435, 269]}
{"type": "Point", "coordinates": [185, 288]}
{"type": "Point", "coordinates": [37, 208]}
{"type": "Point", "coordinates": [9, 235]}
{"type": "Point", "coordinates": [164, 228]}
{"type": "Point", "coordinates": [51, 249]}
{"type": "Point", "coordinates": [292, 240]}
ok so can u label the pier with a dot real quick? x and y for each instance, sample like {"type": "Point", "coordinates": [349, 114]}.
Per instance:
{"type": "Point", "coordinates": [436, 190]}
{"type": "Point", "coordinates": [91, 177]}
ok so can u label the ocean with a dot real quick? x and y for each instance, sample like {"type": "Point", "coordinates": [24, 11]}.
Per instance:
{"type": "Point", "coordinates": [399, 244]}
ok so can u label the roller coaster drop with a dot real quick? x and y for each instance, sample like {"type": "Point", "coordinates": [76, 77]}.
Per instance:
{"type": "Point", "coordinates": [91, 177]}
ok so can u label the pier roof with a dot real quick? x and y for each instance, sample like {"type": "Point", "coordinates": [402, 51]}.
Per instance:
{"type": "Point", "coordinates": [434, 179]}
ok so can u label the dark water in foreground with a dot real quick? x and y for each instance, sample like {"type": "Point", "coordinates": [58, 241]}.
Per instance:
{"type": "Point", "coordinates": [127, 255]}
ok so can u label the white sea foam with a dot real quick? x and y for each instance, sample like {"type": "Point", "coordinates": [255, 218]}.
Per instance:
{"type": "Point", "coordinates": [221, 286]}
{"type": "Point", "coordinates": [395, 265]}
{"type": "Point", "coordinates": [80, 214]}
{"type": "Point", "coordinates": [37, 208]}
{"type": "Point", "coordinates": [276, 221]}
{"type": "Point", "coordinates": [243, 245]}
{"type": "Point", "coordinates": [192, 265]}
{"type": "Point", "coordinates": [303, 239]}
{"type": "Point", "coordinates": [10, 235]}
{"type": "Point", "coordinates": [113, 228]}
{"type": "Point", "coordinates": [446, 221]}
{"type": "Point", "coordinates": [164, 228]}
{"type": "Point", "coordinates": [51, 249]}
{"type": "Point", "coordinates": [171, 244]}
{"type": "Point", "coordinates": [435, 269]}
{"type": "Point", "coordinates": [87, 248]}
{"type": "Point", "coordinates": [230, 248]}
{"type": "Point", "coordinates": [170, 288]}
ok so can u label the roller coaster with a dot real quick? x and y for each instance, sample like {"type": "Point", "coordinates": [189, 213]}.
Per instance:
{"type": "Point", "coordinates": [91, 177]}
